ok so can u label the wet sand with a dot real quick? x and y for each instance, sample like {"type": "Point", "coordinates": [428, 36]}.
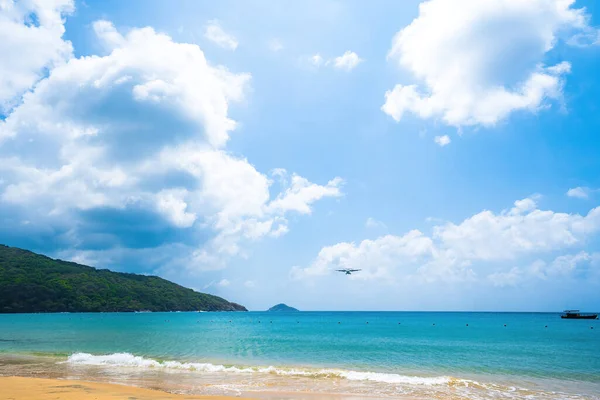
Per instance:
{"type": "Point", "coordinates": [19, 388]}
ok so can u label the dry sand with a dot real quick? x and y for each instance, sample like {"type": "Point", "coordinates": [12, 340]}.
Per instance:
{"type": "Point", "coordinates": [18, 388]}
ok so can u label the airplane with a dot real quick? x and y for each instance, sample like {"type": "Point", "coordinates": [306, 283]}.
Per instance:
{"type": "Point", "coordinates": [347, 271]}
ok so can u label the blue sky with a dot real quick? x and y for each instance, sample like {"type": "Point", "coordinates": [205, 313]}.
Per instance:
{"type": "Point", "coordinates": [249, 149]}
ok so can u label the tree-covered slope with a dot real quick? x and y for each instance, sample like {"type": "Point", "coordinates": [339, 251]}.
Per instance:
{"type": "Point", "coordinates": [30, 282]}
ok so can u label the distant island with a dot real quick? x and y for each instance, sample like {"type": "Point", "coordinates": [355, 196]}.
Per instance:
{"type": "Point", "coordinates": [31, 282]}
{"type": "Point", "coordinates": [282, 307]}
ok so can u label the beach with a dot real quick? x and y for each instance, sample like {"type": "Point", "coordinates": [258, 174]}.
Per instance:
{"type": "Point", "coordinates": [20, 388]}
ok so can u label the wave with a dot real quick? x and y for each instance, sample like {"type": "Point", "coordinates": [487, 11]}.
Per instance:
{"type": "Point", "coordinates": [130, 360]}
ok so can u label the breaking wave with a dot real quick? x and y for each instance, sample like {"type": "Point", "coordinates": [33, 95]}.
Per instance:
{"type": "Point", "coordinates": [130, 360]}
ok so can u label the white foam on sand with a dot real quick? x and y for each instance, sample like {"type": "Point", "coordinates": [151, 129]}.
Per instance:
{"type": "Point", "coordinates": [384, 384]}
{"type": "Point", "coordinates": [130, 360]}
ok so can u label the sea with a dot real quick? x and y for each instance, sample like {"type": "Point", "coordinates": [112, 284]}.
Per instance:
{"type": "Point", "coordinates": [353, 355]}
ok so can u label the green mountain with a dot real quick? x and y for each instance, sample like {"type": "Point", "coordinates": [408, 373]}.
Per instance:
{"type": "Point", "coordinates": [282, 307]}
{"type": "Point", "coordinates": [31, 282]}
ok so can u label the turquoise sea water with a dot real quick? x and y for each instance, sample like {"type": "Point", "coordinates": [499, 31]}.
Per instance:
{"type": "Point", "coordinates": [462, 355]}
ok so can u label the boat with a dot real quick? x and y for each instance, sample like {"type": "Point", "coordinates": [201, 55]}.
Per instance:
{"type": "Point", "coordinates": [575, 314]}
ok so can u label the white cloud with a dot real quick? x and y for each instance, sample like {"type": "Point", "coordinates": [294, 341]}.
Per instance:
{"type": "Point", "coordinates": [316, 60]}
{"type": "Point", "coordinates": [579, 192]}
{"type": "Point", "coordinates": [146, 69]}
{"type": "Point", "coordinates": [250, 284]}
{"type": "Point", "coordinates": [372, 223]}
{"type": "Point", "coordinates": [452, 250]}
{"type": "Point", "coordinates": [377, 258]}
{"type": "Point", "coordinates": [348, 61]}
{"type": "Point", "coordinates": [566, 264]}
{"type": "Point", "coordinates": [523, 229]}
{"type": "Point", "coordinates": [302, 193]}
{"type": "Point", "coordinates": [215, 33]}
{"type": "Point", "coordinates": [144, 127]}
{"type": "Point", "coordinates": [442, 140]}
{"type": "Point", "coordinates": [171, 203]}
{"type": "Point", "coordinates": [479, 62]}
{"type": "Point", "coordinates": [562, 266]}
{"type": "Point", "coordinates": [276, 45]}
{"type": "Point", "coordinates": [223, 283]}
{"type": "Point", "coordinates": [510, 278]}
{"type": "Point", "coordinates": [31, 33]}
{"type": "Point", "coordinates": [589, 37]}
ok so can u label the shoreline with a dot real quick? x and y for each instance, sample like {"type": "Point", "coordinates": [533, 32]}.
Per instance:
{"type": "Point", "coordinates": [28, 388]}
{"type": "Point", "coordinates": [27, 376]}
{"type": "Point", "coordinates": [33, 377]}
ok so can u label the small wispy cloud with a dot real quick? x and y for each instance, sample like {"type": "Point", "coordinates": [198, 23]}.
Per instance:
{"type": "Point", "coordinates": [442, 140]}
{"type": "Point", "coordinates": [223, 283]}
{"type": "Point", "coordinates": [275, 45]}
{"type": "Point", "coordinates": [348, 61]}
{"type": "Point", "coordinates": [316, 60]}
{"type": "Point", "coordinates": [589, 37]}
{"type": "Point", "coordinates": [215, 33]}
{"type": "Point", "coordinates": [372, 223]}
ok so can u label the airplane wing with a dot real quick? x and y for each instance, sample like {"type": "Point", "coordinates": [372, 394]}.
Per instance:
{"type": "Point", "coordinates": [354, 270]}
{"type": "Point", "coordinates": [341, 270]}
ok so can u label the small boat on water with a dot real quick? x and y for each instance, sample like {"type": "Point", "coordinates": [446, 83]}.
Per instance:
{"type": "Point", "coordinates": [575, 314]}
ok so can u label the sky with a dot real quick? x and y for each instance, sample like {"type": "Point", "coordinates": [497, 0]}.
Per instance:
{"type": "Point", "coordinates": [250, 149]}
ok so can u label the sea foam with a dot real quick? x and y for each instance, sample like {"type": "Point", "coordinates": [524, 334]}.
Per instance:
{"type": "Point", "coordinates": [130, 360]}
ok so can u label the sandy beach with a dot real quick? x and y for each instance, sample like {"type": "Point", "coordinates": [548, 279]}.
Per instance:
{"type": "Point", "coordinates": [19, 388]}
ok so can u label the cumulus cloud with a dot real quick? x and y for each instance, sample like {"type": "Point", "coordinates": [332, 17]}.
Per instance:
{"type": "Point", "coordinates": [579, 192]}
{"type": "Point", "coordinates": [563, 266]}
{"type": "Point", "coordinates": [215, 33]}
{"type": "Point", "coordinates": [348, 61]}
{"type": "Point", "coordinates": [32, 42]}
{"type": "Point", "coordinates": [510, 278]}
{"type": "Point", "coordinates": [302, 193]}
{"type": "Point", "coordinates": [566, 264]}
{"type": "Point", "coordinates": [377, 258]}
{"type": "Point", "coordinates": [477, 63]}
{"type": "Point", "coordinates": [142, 131]}
{"type": "Point", "coordinates": [523, 229]}
{"type": "Point", "coordinates": [171, 203]}
{"type": "Point", "coordinates": [442, 140]}
{"type": "Point", "coordinates": [453, 250]}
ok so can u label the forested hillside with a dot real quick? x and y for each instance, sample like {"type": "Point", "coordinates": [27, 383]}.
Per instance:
{"type": "Point", "coordinates": [31, 282]}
